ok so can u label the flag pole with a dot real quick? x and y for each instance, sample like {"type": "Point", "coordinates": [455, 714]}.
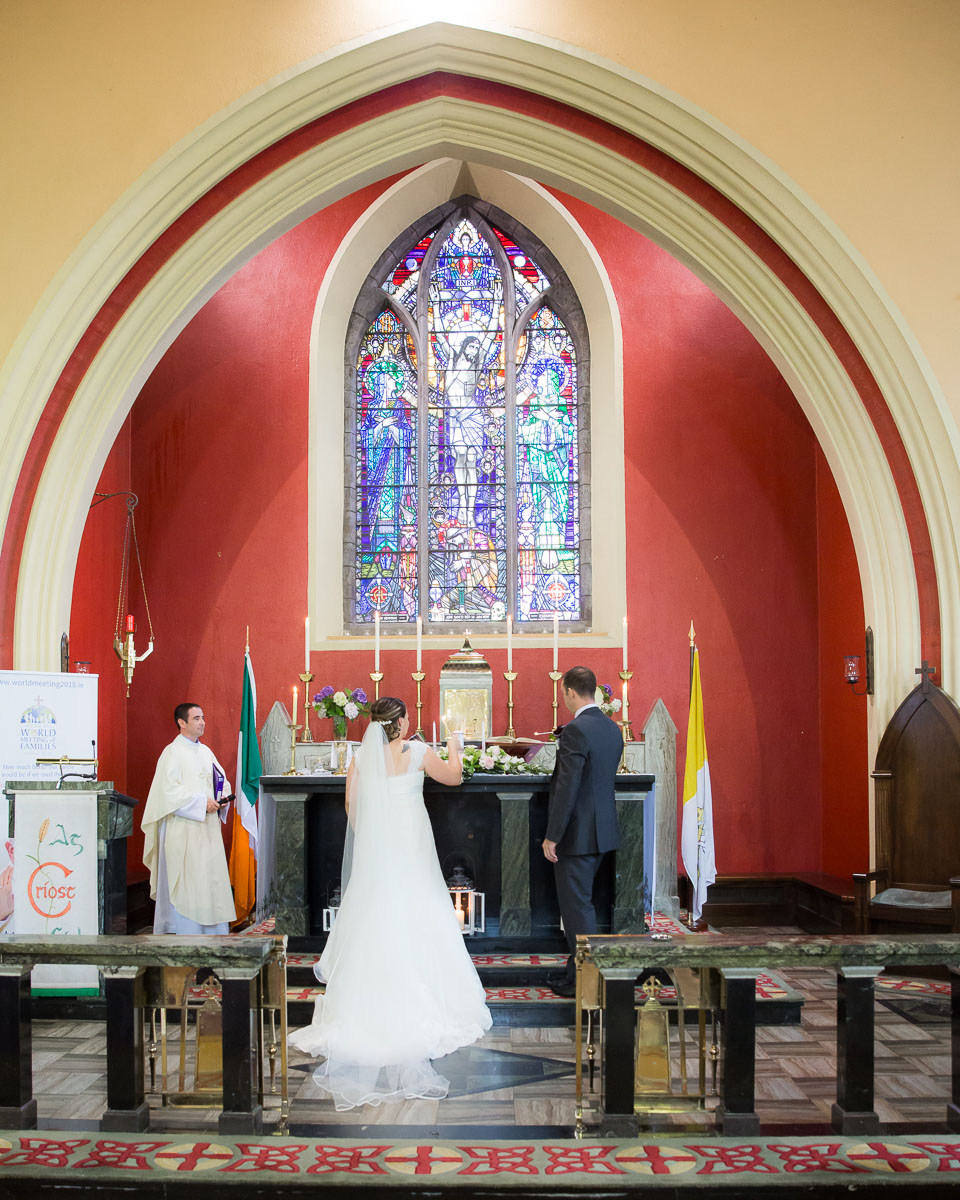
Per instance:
{"type": "Point", "coordinates": [247, 651]}
{"type": "Point", "coordinates": [694, 883]}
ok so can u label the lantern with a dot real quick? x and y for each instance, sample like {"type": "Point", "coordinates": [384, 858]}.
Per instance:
{"type": "Point", "coordinates": [468, 903]}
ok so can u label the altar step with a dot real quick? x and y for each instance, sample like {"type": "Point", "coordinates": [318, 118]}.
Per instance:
{"type": "Point", "coordinates": [518, 993]}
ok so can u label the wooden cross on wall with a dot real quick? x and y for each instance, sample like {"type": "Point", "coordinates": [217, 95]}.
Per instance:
{"type": "Point", "coordinates": [926, 673]}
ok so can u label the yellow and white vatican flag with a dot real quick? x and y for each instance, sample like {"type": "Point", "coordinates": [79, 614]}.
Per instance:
{"type": "Point", "coordinates": [696, 834]}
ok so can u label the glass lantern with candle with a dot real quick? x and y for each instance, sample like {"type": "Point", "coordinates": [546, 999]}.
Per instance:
{"type": "Point", "coordinates": [332, 910]}
{"type": "Point", "coordinates": [468, 903]}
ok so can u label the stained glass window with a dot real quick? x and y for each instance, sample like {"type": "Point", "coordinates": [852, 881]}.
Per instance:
{"type": "Point", "coordinates": [468, 425]}
{"type": "Point", "coordinates": [386, 483]}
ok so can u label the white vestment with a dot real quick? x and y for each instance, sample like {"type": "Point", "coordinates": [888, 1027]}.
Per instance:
{"type": "Point", "coordinates": [183, 847]}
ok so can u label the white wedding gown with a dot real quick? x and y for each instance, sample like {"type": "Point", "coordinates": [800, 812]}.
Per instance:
{"type": "Point", "coordinates": [401, 987]}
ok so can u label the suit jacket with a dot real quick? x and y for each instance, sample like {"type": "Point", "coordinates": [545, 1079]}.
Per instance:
{"type": "Point", "coordinates": [582, 813]}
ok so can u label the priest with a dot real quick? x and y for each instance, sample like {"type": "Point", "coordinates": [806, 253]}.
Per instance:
{"type": "Point", "coordinates": [183, 847]}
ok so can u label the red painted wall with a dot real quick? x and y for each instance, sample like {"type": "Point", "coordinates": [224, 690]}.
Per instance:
{"type": "Point", "coordinates": [93, 610]}
{"type": "Point", "coordinates": [843, 716]}
{"type": "Point", "coordinates": [725, 497]}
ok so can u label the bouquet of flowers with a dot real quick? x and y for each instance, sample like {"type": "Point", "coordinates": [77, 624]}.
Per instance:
{"type": "Point", "coordinates": [342, 706]}
{"type": "Point", "coordinates": [493, 761]}
{"type": "Point", "coordinates": [606, 701]}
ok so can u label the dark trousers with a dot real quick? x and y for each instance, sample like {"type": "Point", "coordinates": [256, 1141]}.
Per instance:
{"type": "Point", "coordinates": [574, 874]}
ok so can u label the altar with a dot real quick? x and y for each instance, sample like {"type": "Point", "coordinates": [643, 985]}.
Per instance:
{"type": "Point", "coordinates": [492, 825]}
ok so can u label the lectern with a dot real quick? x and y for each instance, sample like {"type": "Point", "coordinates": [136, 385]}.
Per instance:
{"type": "Point", "coordinates": [69, 866]}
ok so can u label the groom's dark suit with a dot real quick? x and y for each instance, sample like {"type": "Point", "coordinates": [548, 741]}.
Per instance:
{"type": "Point", "coordinates": [582, 816]}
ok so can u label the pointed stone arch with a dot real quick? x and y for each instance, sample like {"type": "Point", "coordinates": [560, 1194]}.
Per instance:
{"type": "Point", "coordinates": [534, 108]}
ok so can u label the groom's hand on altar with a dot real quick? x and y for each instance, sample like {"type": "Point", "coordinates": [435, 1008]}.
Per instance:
{"type": "Point", "coordinates": [550, 850]}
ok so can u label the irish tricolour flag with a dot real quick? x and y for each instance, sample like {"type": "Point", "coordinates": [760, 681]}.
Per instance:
{"type": "Point", "coordinates": [696, 836]}
{"type": "Point", "coordinates": [243, 848]}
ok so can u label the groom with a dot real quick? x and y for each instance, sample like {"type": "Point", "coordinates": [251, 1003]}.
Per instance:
{"type": "Point", "coordinates": [582, 813]}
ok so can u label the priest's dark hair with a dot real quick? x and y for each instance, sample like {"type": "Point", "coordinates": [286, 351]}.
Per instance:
{"type": "Point", "coordinates": [388, 711]}
{"type": "Point", "coordinates": [580, 680]}
{"type": "Point", "coordinates": [182, 711]}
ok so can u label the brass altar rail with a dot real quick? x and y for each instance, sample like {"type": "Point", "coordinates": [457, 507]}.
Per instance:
{"type": "Point", "coordinates": [619, 959]}
{"type": "Point", "coordinates": [125, 962]}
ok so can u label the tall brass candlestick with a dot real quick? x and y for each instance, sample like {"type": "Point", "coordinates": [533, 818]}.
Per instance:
{"type": "Point", "coordinates": [375, 677]}
{"type": "Point", "coordinates": [510, 676]}
{"type": "Point", "coordinates": [307, 678]}
{"type": "Point", "coordinates": [418, 678]}
{"type": "Point", "coordinates": [626, 676]}
{"type": "Point", "coordinates": [293, 750]}
{"type": "Point", "coordinates": [556, 676]}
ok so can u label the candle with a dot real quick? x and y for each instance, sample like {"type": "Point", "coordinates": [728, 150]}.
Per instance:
{"type": "Point", "coordinates": [483, 737]}
{"type": "Point", "coordinates": [509, 642]}
{"type": "Point", "coordinates": [306, 645]}
{"type": "Point", "coordinates": [376, 642]}
{"type": "Point", "coordinates": [294, 706]}
{"type": "Point", "coordinates": [333, 757]}
{"type": "Point", "coordinates": [461, 915]}
{"type": "Point", "coordinates": [556, 640]}
{"type": "Point", "coordinates": [419, 642]}
{"type": "Point", "coordinates": [625, 643]}
{"type": "Point", "coordinates": [434, 733]}
{"type": "Point", "coordinates": [130, 628]}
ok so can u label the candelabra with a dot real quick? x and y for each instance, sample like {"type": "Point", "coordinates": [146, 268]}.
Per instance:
{"type": "Point", "coordinates": [418, 678]}
{"type": "Point", "coordinates": [293, 750]}
{"type": "Point", "coordinates": [556, 676]}
{"type": "Point", "coordinates": [375, 677]}
{"type": "Point", "coordinates": [510, 676]}
{"type": "Point", "coordinates": [307, 678]}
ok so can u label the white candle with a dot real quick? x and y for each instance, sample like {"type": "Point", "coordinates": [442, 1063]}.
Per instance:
{"type": "Point", "coordinates": [333, 757]}
{"type": "Point", "coordinates": [509, 642]}
{"type": "Point", "coordinates": [306, 645]}
{"type": "Point", "coordinates": [434, 733]}
{"type": "Point", "coordinates": [483, 737]}
{"type": "Point", "coordinates": [461, 915]}
{"type": "Point", "coordinates": [625, 643]}
{"type": "Point", "coordinates": [294, 706]}
{"type": "Point", "coordinates": [419, 642]}
{"type": "Point", "coordinates": [376, 642]}
{"type": "Point", "coordinates": [556, 640]}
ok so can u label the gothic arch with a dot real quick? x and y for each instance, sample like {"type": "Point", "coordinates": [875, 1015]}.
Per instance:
{"type": "Point", "coordinates": [532, 107]}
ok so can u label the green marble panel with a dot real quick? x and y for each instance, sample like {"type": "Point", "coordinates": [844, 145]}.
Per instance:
{"type": "Point", "coordinates": [515, 864]}
{"type": "Point", "coordinates": [628, 907]}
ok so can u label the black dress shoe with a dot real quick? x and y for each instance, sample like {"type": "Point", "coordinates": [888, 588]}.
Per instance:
{"type": "Point", "coordinates": [563, 987]}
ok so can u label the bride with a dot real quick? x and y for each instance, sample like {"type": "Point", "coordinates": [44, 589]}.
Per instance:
{"type": "Point", "coordinates": [401, 987]}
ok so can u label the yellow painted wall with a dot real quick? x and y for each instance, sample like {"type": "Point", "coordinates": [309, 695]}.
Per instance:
{"type": "Point", "coordinates": [856, 100]}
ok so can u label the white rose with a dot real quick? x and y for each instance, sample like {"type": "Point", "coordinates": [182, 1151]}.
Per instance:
{"type": "Point", "coordinates": [615, 705]}
{"type": "Point", "coordinates": [339, 698]}
{"type": "Point", "coordinates": [350, 711]}
{"type": "Point", "coordinates": [487, 761]}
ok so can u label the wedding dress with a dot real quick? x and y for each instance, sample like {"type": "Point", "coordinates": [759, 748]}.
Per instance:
{"type": "Point", "coordinates": [401, 987]}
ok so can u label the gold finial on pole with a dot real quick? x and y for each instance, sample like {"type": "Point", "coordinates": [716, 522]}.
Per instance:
{"type": "Point", "coordinates": [248, 640]}
{"type": "Point", "coordinates": [692, 635]}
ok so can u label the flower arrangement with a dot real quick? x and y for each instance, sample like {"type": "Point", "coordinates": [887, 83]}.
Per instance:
{"type": "Point", "coordinates": [606, 701]}
{"type": "Point", "coordinates": [494, 760]}
{"type": "Point", "coordinates": [342, 706]}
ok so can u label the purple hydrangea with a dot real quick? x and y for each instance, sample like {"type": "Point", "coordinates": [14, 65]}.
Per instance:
{"type": "Point", "coordinates": [324, 692]}
{"type": "Point", "coordinates": [606, 689]}
{"type": "Point", "coordinates": [359, 695]}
